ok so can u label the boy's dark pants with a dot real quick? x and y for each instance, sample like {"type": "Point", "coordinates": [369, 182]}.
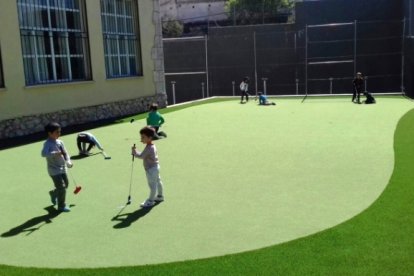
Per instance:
{"type": "Point", "coordinates": [244, 94]}
{"type": "Point", "coordinates": [61, 184]}
{"type": "Point", "coordinates": [357, 94]}
{"type": "Point", "coordinates": [158, 135]}
{"type": "Point", "coordinates": [82, 140]}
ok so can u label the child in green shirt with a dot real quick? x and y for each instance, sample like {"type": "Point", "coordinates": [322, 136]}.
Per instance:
{"type": "Point", "coordinates": [155, 120]}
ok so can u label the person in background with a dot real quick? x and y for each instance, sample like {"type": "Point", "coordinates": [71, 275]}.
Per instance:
{"type": "Point", "coordinates": [85, 138]}
{"type": "Point", "coordinates": [149, 156]}
{"type": "Point", "coordinates": [263, 100]}
{"type": "Point", "coordinates": [357, 83]}
{"type": "Point", "coordinates": [155, 120]}
{"type": "Point", "coordinates": [244, 89]}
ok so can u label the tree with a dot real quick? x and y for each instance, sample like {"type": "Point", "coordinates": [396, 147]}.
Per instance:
{"type": "Point", "coordinates": [261, 11]}
{"type": "Point", "coordinates": [172, 28]}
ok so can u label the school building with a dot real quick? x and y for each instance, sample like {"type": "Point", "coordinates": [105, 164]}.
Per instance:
{"type": "Point", "coordinates": [77, 61]}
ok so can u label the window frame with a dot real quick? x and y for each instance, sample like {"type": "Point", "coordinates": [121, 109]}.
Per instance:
{"type": "Point", "coordinates": [116, 39]}
{"type": "Point", "coordinates": [2, 85]}
{"type": "Point", "coordinates": [55, 41]}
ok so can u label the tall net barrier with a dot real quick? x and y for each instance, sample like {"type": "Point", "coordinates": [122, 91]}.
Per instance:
{"type": "Point", "coordinates": [272, 56]}
{"type": "Point", "coordinates": [409, 16]}
{"type": "Point", "coordinates": [380, 54]}
{"type": "Point", "coordinates": [284, 60]}
{"type": "Point", "coordinates": [330, 57]}
{"type": "Point", "coordinates": [185, 69]}
{"type": "Point", "coordinates": [335, 52]}
{"type": "Point", "coordinates": [279, 57]}
{"type": "Point", "coordinates": [231, 58]}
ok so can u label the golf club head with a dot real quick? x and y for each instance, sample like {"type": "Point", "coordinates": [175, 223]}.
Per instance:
{"type": "Point", "coordinates": [77, 189]}
{"type": "Point", "coordinates": [129, 200]}
{"type": "Point", "coordinates": [105, 155]}
{"type": "Point", "coordinates": [132, 120]}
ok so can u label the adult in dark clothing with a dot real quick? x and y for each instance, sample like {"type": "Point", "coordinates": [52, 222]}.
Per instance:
{"type": "Point", "coordinates": [244, 89]}
{"type": "Point", "coordinates": [358, 82]}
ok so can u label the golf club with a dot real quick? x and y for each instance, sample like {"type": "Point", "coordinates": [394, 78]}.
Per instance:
{"type": "Point", "coordinates": [77, 187]}
{"type": "Point", "coordinates": [105, 155]}
{"type": "Point", "coordinates": [130, 181]}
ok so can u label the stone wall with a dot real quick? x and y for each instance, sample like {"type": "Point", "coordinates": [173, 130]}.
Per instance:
{"type": "Point", "coordinates": [26, 125]}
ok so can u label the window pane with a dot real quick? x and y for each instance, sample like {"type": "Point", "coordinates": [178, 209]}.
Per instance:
{"type": "Point", "coordinates": [53, 37]}
{"type": "Point", "coordinates": [121, 44]}
{"type": "Point", "coordinates": [1, 72]}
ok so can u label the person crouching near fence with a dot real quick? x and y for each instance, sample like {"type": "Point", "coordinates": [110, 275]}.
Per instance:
{"type": "Point", "coordinates": [263, 100]}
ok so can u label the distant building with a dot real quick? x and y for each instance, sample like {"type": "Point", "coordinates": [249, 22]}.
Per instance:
{"type": "Point", "coordinates": [77, 61]}
{"type": "Point", "coordinates": [193, 10]}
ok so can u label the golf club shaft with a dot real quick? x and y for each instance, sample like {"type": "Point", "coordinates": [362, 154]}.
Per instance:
{"type": "Point", "coordinates": [71, 175]}
{"type": "Point", "coordinates": [130, 180]}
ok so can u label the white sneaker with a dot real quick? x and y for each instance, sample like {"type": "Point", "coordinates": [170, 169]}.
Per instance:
{"type": "Point", "coordinates": [147, 203]}
{"type": "Point", "coordinates": [159, 198]}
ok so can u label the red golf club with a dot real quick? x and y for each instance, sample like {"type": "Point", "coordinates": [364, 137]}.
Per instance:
{"type": "Point", "coordinates": [78, 188]}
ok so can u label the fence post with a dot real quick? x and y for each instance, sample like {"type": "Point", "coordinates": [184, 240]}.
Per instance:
{"type": "Point", "coordinates": [330, 85]}
{"type": "Point", "coordinates": [355, 45]}
{"type": "Point", "coordinates": [233, 83]}
{"type": "Point", "coordinates": [173, 90]}
{"type": "Point", "coordinates": [297, 86]}
{"type": "Point", "coordinates": [365, 83]}
{"type": "Point", "coordinates": [202, 90]}
{"type": "Point", "coordinates": [264, 86]}
{"type": "Point", "coordinates": [403, 56]}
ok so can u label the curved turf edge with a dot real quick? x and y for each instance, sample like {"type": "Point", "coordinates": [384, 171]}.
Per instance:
{"type": "Point", "coordinates": [376, 242]}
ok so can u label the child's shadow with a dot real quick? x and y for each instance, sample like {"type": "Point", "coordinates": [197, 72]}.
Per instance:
{"type": "Point", "coordinates": [125, 220]}
{"type": "Point", "coordinates": [29, 226]}
{"type": "Point", "coordinates": [82, 156]}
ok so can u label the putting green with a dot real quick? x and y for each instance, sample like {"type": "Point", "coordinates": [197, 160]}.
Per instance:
{"type": "Point", "coordinates": [237, 177]}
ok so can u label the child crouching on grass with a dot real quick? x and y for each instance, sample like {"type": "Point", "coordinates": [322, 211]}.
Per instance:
{"type": "Point", "coordinates": [57, 159]}
{"type": "Point", "coordinates": [151, 165]}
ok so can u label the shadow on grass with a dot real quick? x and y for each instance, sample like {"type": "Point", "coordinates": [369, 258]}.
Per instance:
{"type": "Point", "coordinates": [82, 156]}
{"type": "Point", "coordinates": [29, 226]}
{"type": "Point", "coordinates": [125, 220]}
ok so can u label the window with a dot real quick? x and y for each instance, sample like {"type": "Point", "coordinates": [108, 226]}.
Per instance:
{"type": "Point", "coordinates": [54, 41]}
{"type": "Point", "coordinates": [121, 38]}
{"type": "Point", "coordinates": [1, 73]}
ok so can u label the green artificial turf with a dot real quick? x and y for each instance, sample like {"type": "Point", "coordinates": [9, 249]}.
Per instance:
{"type": "Point", "coordinates": [377, 241]}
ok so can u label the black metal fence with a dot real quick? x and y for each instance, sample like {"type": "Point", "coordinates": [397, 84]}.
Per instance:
{"type": "Point", "coordinates": [321, 57]}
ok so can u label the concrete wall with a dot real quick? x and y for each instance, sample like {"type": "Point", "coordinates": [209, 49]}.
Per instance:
{"type": "Point", "coordinates": [20, 101]}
